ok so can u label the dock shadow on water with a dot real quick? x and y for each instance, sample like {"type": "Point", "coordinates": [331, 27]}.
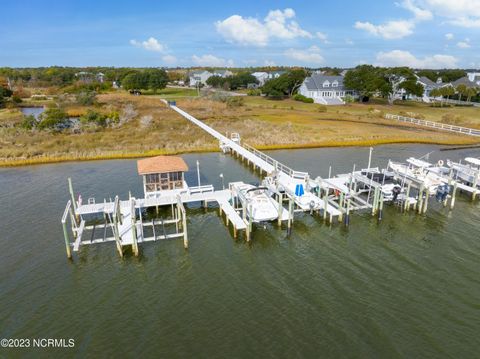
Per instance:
{"type": "Point", "coordinates": [405, 287]}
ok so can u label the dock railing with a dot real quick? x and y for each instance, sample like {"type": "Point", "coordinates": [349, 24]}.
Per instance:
{"type": "Point", "coordinates": [441, 126]}
{"type": "Point", "coordinates": [277, 165]}
{"type": "Point", "coordinates": [201, 189]}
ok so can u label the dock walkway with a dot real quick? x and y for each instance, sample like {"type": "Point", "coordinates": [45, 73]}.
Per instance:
{"type": "Point", "coordinates": [287, 177]}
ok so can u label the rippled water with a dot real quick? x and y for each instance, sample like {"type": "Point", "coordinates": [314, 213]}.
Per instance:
{"type": "Point", "coordinates": [406, 287]}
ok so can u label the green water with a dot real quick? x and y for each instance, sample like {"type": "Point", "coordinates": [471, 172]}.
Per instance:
{"type": "Point", "coordinates": [407, 287]}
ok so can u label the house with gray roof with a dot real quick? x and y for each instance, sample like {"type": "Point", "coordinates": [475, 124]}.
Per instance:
{"type": "Point", "coordinates": [199, 77]}
{"type": "Point", "coordinates": [326, 90]}
{"type": "Point", "coordinates": [428, 85]}
{"type": "Point", "coordinates": [469, 81]}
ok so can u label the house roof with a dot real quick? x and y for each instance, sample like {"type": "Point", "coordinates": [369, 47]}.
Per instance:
{"type": "Point", "coordinates": [161, 164]}
{"type": "Point", "coordinates": [222, 71]}
{"type": "Point", "coordinates": [199, 72]}
{"type": "Point", "coordinates": [426, 81]}
{"type": "Point", "coordinates": [316, 81]}
{"type": "Point", "coordinates": [464, 81]}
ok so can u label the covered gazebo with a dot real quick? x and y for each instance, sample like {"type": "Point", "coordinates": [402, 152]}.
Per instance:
{"type": "Point", "coordinates": [162, 173]}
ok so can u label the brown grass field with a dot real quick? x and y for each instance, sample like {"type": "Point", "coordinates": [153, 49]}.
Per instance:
{"type": "Point", "coordinates": [263, 123]}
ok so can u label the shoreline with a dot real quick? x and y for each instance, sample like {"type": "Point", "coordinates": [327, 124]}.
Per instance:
{"type": "Point", "coordinates": [131, 155]}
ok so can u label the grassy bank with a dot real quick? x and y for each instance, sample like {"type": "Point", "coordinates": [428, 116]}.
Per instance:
{"type": "Point", "coordinates": [154, 129]}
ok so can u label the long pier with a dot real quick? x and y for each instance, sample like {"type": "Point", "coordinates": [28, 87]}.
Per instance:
{"type": "Point", "coordinates": [287, 178]}
{"type": "Point", "coordinates": [122, 222]}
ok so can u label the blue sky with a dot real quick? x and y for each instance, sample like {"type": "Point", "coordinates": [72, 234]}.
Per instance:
{"type": "Point", "coordinates": [417, 33]}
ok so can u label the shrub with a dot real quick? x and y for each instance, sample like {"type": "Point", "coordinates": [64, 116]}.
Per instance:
{"type": "Point", "coordinates": [86, 98]}
{"type": "Point", "coordinates": [93, 117]}
{"type": "Point", "coordinates": [254, 92]}
{"type": "Point", "coordinates": [52, 118]}
{"type": "Point", "coordinates": [235, 101]}
{"type": "Point", "coordinates": [275, 95]}
{"type": "Point", "coordinates": [29, 122]}
{"type": "Point", "coordinates": [22, 93]}
{"type": "Point", "coordinates": [16, 99]}
{"type": "Point", "coordinates": [302, 98]}
{"type": "Point", "coordinates": [128, 113]}
{"type": "Point", "coordinates": [349, 99]}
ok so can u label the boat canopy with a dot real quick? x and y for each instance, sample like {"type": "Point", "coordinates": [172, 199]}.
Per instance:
{"type": "Point", "coordinates": [418, 163]}
{"type": "Point", "coordinates": [472, 160]}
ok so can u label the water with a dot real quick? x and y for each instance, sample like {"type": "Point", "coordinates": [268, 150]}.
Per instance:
{"type": "Point", "coordinates": [407, 287]}
{"type": "Point", "coordinates": [35, 111]}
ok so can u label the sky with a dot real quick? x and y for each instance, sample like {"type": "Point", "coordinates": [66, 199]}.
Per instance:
{"type": "Point", "coordinates": [416, 33]}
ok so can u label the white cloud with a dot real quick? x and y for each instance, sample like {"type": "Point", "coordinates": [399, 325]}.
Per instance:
{"type": "Point", "coordinates": [449, 36]}
{"type": "Point", "coordinates": [169, 59]}
{"type": "Point", "coordinates": [349, 41]}
{"type": "Point", "coordinates": [269, 63]}
{"type": "Point", "coordinates": [398, 29]}
{"type": "Point", "coordinates": [211, 60]}
{"type": "Point", "coordinates": [395, 29]}
{"type": "Point", "coordinates": [464, 13]}
{"type": "Point", "coordinates": [151, 44]}
{"type": "Point", "coordinates": [404, 58]}
{"type": "Point", "coordinates": [251, 31]}
{"type": "Point", "coordinates": [311, 55]}
{"type": "Point", "coordinates": [323, 37]}
{"type": "Point", "coordinates": [419, 13]}
{"type": "Point", "coordinates": [464, 44]}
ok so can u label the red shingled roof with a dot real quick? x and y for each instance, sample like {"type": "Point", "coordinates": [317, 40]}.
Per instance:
{"type": "Point", "coordinates": [161, 164]}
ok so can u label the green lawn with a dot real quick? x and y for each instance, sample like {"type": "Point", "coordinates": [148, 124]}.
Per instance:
{"type": "Point", "coordinates": [173, 92]}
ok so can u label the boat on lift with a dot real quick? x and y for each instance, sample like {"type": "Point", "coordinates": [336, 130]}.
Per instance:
{"type": "Point", "coordinates": [468, 173]}
{"type": "Point", "coordinates": [419, 171]}
{"type": "Point", "coordinates": [260, 206]}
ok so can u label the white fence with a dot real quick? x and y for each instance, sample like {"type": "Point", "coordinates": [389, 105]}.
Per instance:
{"type": "Point", "coordinates": [279, 166]}
{"type": "Point", "coordinates": [441, 126]}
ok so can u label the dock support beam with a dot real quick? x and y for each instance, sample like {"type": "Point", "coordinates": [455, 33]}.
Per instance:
{"type": "Point", "coordinates": [280, 209]}
{"type": "Point", "coordinates": [420, 200]}
{"type": "Point", "coordinates": [347, 213]}
{"type": "Point", "coordinates": [290, 216]}
{"type": "Point", "coordinates": [72, 196]}
{"type": "Point", "coordinates": [452, 201]}
{"type": "Point", "coordinates": [380, 207]}
{"type": "Point", "coordinates": [67, 241]}
{"type": "Point", "coordinates": [406, 205]}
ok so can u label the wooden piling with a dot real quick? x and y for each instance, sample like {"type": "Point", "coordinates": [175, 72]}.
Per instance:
{"type": "Point", "coordinates": [347, 214]}
{"type": "Point", "coordinates": [290, 216]}
{"type": "Point", "coordinates": [325, 204]}
{"type": "Point", "coordinates": [407, 198]}
{"type": "Point", "coordinates": [425, 202]}
{"type": "Point", "coordinates": [420, 199]}
{"type": "Point", "coordinates": [380, 206]}
{"type": "Point", "coordinates": [67, 241]}
{"type": "Point", "coordinates": [452, 201]}
{"type": "Point", "coordinates": [280, 209]}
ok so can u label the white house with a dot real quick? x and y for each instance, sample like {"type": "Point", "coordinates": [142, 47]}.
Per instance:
{"type": "Point", "coordinates": [275, 74]}
{"type": "Point", "coordinates": [326, 90]}
{"type": "Point", "coordinates": [261, 77]}
{"type": "Point", "coordinates": [222, 73]}
{"type": "Point", "coordinates": [473, 76]}
{"type": "Point", "coordinates": [428, 86]}
{"type": "Point", "coordinates": [199, 77]}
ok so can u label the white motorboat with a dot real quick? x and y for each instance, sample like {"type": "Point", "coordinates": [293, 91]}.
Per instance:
{"type": "Point", "coordinates": [420, 171]}
{"type": "Point", "coordinates": [259, 205]}
{"type": "Point", "coordinates": [469, 172]}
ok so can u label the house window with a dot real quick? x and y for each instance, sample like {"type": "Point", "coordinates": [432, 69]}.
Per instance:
{"type": "Point", "coordinates": [335, 84]}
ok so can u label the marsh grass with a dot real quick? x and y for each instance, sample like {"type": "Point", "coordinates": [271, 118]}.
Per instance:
{"type": "Point", "coordinates": [262, 123]}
